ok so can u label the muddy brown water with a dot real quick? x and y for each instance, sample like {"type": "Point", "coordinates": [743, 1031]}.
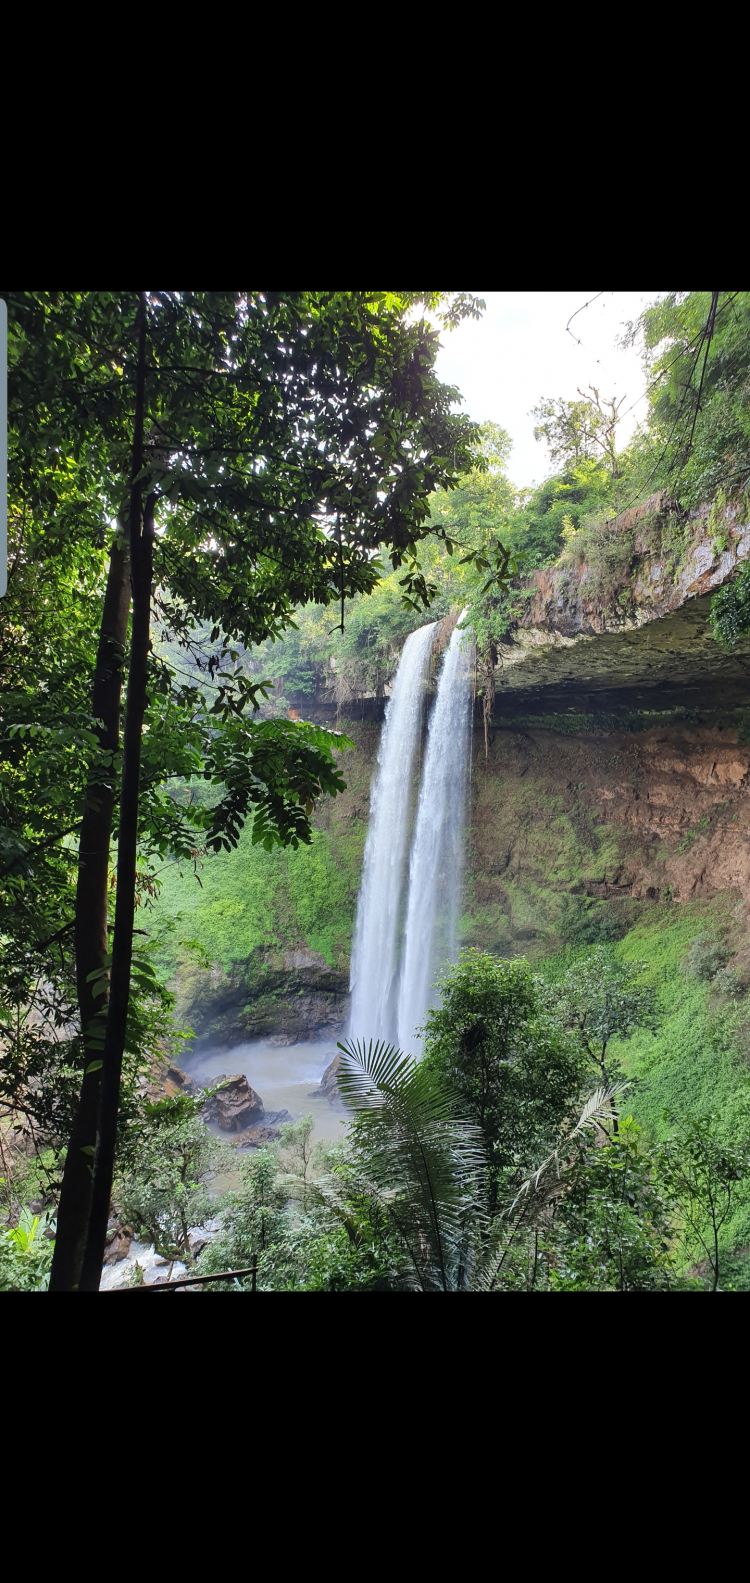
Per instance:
{"type": "Point", "coordinates": [285, 1076]}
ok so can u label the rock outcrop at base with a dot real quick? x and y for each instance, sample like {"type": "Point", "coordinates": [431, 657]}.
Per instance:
{"type": "Point", "coordinates": [235, 1106]}
{"type": "Point", "coordinates": [283, 995]}
{"type": "Point", "coordinates": [329, 1082]}
{"type": "Point", "coordinates": [267, 1132]}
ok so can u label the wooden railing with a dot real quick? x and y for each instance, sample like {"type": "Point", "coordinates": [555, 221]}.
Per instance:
{"type": "Point", "coordinates": [194, 1280]}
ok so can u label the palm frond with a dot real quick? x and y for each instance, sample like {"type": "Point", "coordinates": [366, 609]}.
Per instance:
{"type": "Point", "coordinates": [419, 1153]}
{"type": "Point", "coordinates": [369, 1071]}
{"type": "Point", "coordinates": [597, 1110]}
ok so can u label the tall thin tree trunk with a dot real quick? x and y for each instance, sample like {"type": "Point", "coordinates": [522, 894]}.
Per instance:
{"type": "Point", "coordinates": [91, 921]}
{"type": "Point", "coordinates": [141, 565]}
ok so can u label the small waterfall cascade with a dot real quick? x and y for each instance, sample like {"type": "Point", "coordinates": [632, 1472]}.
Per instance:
{"type": "Point", "coordinates": [376, 950]}
{"type": "Point", "coordinates": [436, 865]}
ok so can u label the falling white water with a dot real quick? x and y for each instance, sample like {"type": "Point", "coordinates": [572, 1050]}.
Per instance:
{"type": "Point", "coordinates": [375, 955]}
{"type": "Point", "coordinates": [435, 869]}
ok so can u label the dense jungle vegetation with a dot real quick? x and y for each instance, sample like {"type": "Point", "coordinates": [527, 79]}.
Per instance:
{"type": "Point", "coordinates": [286, 487]}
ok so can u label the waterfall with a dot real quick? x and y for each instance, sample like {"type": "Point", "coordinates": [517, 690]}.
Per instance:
{"type": "Point", "coordinates": [375, 955]}
{"type": "Point", "coordinates": [435, 868]}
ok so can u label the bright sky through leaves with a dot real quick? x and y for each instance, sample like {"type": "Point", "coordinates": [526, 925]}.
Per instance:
{"type": "Point", "coordinates": [519, 351]}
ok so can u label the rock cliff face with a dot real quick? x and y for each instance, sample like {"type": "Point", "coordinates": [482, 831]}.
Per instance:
{"type": "Point", "coordinates": [635, 619]}
{"type": "Point", "coordinates": [574, 834]}
{"type": "Point", "coordinates": [281, 995]}
{"type": "Point", "coordinates": [619, 765]}
{"type": "Point", "coordinates": [654, 559]}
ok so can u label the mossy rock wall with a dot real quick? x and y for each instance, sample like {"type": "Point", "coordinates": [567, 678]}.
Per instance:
{"type": "Point", "coordinates": [574, 833]}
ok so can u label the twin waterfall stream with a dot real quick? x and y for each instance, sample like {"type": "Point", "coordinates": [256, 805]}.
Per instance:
{"type": "Point", "coordinates": [409, 901]}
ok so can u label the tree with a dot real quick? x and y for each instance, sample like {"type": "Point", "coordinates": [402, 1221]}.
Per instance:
{"type": "Point", "coordinates": [418, 1159]}
{"type": "Point", "coordinates": [599, 999]}
{"type": "Point", "coordinates": [516, 1072]}
{"type": "Point", "coordinates": [593, 1216]}
{"type": "Point", "coordinates": [580, 431]}
{"type": "Point", "coordinates": [163, 1187]}
{"type": "Point", "coordinates": [614, 1226]}
{"type": "Point", "coordinates": [697, 346]}
{"type": "Point", "coordinates": [255, 450]}
{"type": "Point", "coordinates": [49, 750]}
{"type": "Point", "coordinates": [706, 1174]}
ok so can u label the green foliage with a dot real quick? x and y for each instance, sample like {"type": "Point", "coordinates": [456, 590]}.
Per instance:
{"type": "Point", "coordinates": [481, 508]}
{"type": "Point", "coordinates": [169, 1162]}
{"type": "Point", "coordinates": [252, 899]}
{"type": "Point", "coordinates": [608, 548]}
{"type": "Point", "coordinates": [586, 922]}
{"type": "Point", "coordinates": [418, 1160]}
{"type": "Point", "coordinates": [301, 1215]}
{"type": "Point", "coordinates": [730, 609]}
{"type": "Point", "coordinates": [706, 1174]}
{"type": "Point", "coordinates": [601, 998]}
{"type": "Point", "coordinates": [597, 1215]}
{"type": "Point", "coordinates": [25, 1255]}
{"type": "Point", "coordinates": [494, 1039]}
{"type": "Point", "coordinates": [615, 1229]}
{"type": "Point", "coordinates": [696, 1063]}
{"type": "Point", "coordinates": [698, 440]}
{"type": "Point", "coordinates": [278, 770]}
{"type": "Point", "coordinates": [706, 957]}
{"type": "Point", "coordinates": [580, 431]}
{"type": "Point", "coordinates": [254, 1218]}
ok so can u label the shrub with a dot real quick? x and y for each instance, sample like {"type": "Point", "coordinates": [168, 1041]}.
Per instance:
{"type": "Point", "coordinates": [585, 922]}
{"type": "Point", "coordinates": [706, 958]}
{"type": "Point", "coordinates": [25, 1255]}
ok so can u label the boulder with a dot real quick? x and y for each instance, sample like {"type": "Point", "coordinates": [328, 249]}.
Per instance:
{"type": "Point", "coordinates": [267, 1132]}
{"type": "Point", "coordinates": [329, 1082]}
{"type": "Point", "coordinates": [144, 1266]}
{"type": "Point", "coordinates": [178, 1082]}
{"type": "Point", "coordinates": [235, 1106]}
{"type": "Point", "coordinates": [200, 1236]}
{"type": "Point", "coordinates": [117, 1247]}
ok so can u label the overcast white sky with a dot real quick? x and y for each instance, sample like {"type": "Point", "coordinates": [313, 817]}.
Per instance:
{"type": "Point", "coordinates": [519, 351]}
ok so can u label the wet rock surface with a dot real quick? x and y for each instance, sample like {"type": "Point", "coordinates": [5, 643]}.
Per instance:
{"type": "Point", "coordinates": [235, 1106]}
{"type": "Point", "coordinates": [282, 995]}
{"type": "Point", "coordinates": [143, 1266]}
{"type": "Point", "coordinates": [329, 1082]}
{"type": "Point", "coordinates": [118, 1245]}
{"type": "Point", "coordinates": [265, 1132]}
{"type": "Point", "coordinates": [178, 1082]}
